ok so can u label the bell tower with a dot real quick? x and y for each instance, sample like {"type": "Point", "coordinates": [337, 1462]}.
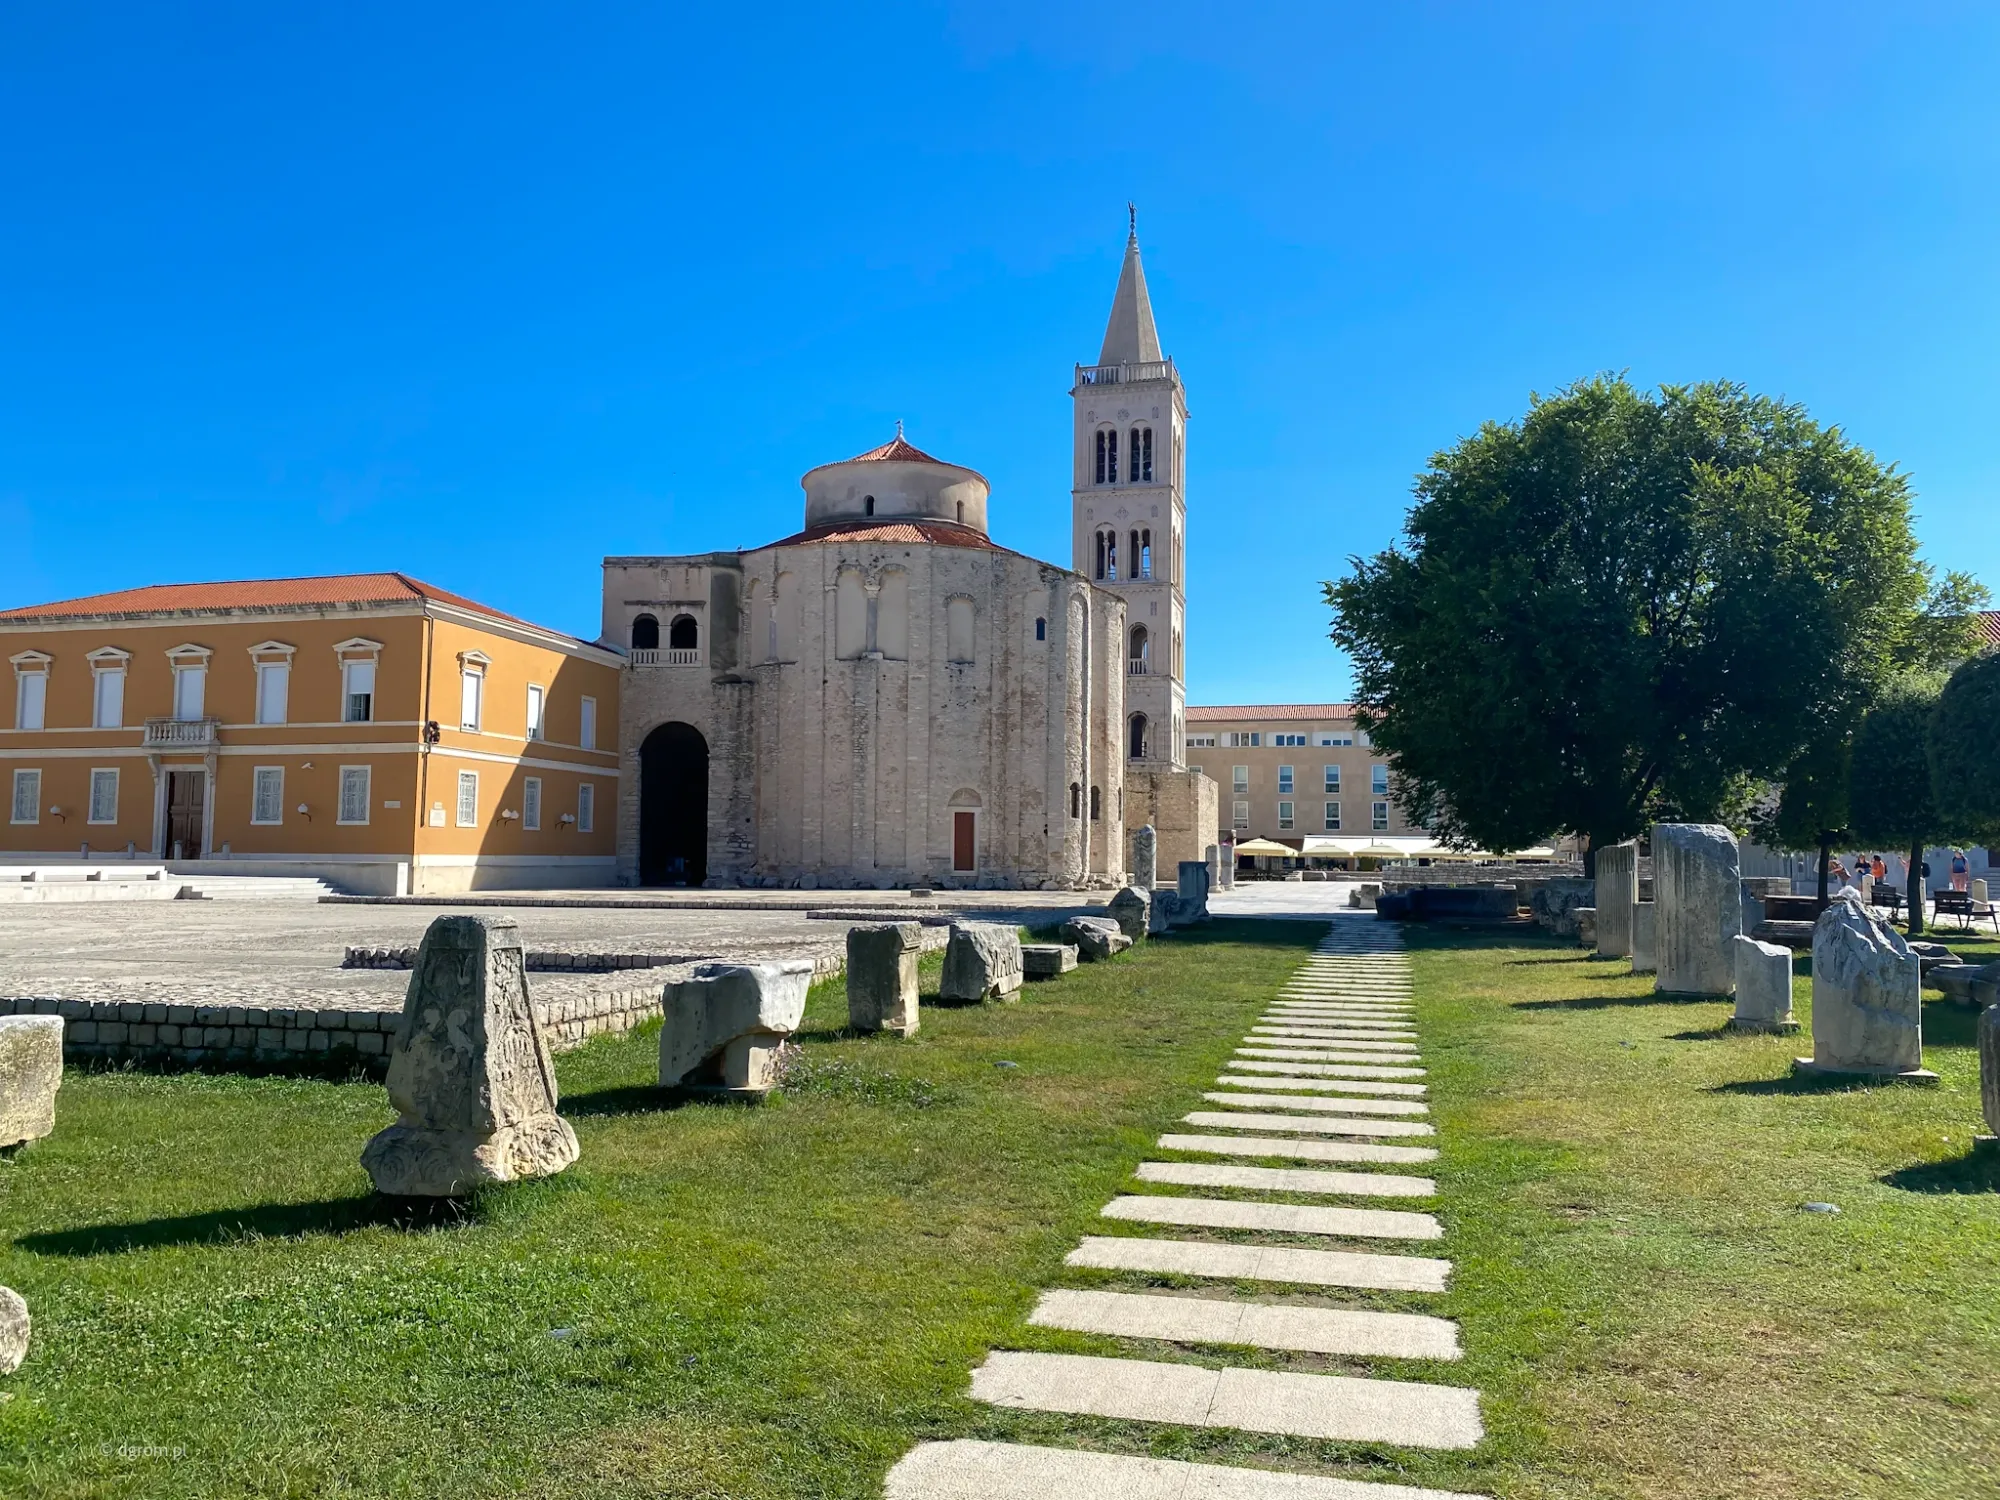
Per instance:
{"type": "Point", "coordinates": [1129, 518]}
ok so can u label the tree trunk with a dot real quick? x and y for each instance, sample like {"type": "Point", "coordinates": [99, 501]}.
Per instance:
{"type": "Point", "coordinates": [1590, 860]}
{"type": "Point", "coordinates": [1825, 854]}
{"type": "Point", "coordinates": [1915, 889]}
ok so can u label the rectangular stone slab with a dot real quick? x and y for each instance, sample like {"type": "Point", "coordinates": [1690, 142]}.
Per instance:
{"type": "Point", "coordinates": [1217, 1120]}
{"type": "Point", "coordinates": [1325, 1085]}
{"type": "Point", "coordinates": [1339, 1408]}
{"type": "Point", "coordinates": [1350, 1032]}
{"type": "Point", "coordinates": [972, 1469]}
{"type": "Point", "coordinates": [1297, 1150]}
{"type": "Point", "coordinates": [1261, 1325]}
{"type": "Point", "coordinates": [1285, 1264]}
{"type": "Point", "coordinates": [1276, 1218]}
{"type": "Point", "coordinates": [1322, 1070]}
{"type": "Point", "coordinates": [1363, 1052]}
{"type": "Point", "coordinates": [1319, 1106]}
{"type": "Point", "coordinates": [1285, 1179]}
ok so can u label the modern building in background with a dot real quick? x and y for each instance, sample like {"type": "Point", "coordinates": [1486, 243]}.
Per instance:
{"type": "Point", "coordinates": [367, 729]}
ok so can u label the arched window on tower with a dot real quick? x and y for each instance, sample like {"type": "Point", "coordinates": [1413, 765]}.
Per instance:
{"type": "Point", "coordinates": [683, 634]}
{"type": "Point", "coordinates": [1107, 555]}
{"type": "Point", "coordinates": [961, 512]}
{"type": "Point", "coordinates": [645, 633]}
{"type": "Point", "coordinates": [1141, 661]}
{"type": "Point", "coordinates": [1075, 799]}
{"type": "Point", "coordinates": [1111, 456]}
{"type": "Point", "coordinates": [1041, 627]}
{"type": "Point", "coordinates": [1142, 455]}
{"type": "Point", "coordinates": [1142, 554]}
{"type": "Point", "coordinates": [1137, 747]}
{"type": "Point", "coordinates": [1096, 805]}
{"type": "Point", "coordinates": [1100, 456]}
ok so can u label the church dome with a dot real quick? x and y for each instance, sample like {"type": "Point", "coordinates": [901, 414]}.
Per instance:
{"type": "Point", "coordinates": [897, 479]}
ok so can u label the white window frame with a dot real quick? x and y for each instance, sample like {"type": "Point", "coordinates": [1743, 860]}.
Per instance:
{"type": "Point", "coordinates": [1200, 741]}
{"type": "Point", "coordinates": [1286, 778]}
{"type": "Point", "coordinates": [1286, 814]}
{"type": "Point", "coordinates": [531, 805]}
{"type": "Point", "coordinates": [1333, 816]}
{"type": "Point", "coordinates": [1378, 817]}
{"type": "Point", "coordinates": [31, 667]}
{"type": "Point", "coordinates": [1330, 780]}
{"type": "Point", "coordinates": [1239, 779]}
{"type": "Point", "coordinates": [538, 707]}
{"type": "Point", "coordinates": [1378, 780]}
{"type": "Point", "coordinates": [257, 773]}
{"type": "Point", "coordinates": [107, 662]}
{"type": "Point", "coordinates": [459, 819]}
{"type": "Point", "coordinates": [586, 807]}
{"type": "Point", "coordinates": [25, 776]}
{"type": "Point", "coordinates": [1239, 814]}
{"type": "Point", "coordinates": [349, 669]}
{"type": "Point", "coordinates": [90, 807]}
{"type": "Point", "coordinates": [367, 775]}
{"type": "Point", "coordinates": [268, 672]}
{"type": "Point", "coordinates": [586, 730]}
{"type": "Point", "coordinates": [472, 667]}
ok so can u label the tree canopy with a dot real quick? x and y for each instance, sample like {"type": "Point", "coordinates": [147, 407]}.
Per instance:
{"type": "Point", "coordinates": [1964, 766]}
{"type": "Point", "coordinates": [1631, 605]}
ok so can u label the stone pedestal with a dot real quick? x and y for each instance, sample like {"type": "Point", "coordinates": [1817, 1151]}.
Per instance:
{"type": "Point", "coordinates": [1763, 987]}
{"type": "Point", "coordinates": [1146, 857]}
{"type": "Point", "coordinates": [725, 1027]}
{"type": "Point", "coordinates": [1617, 894]}
{"type": "Point", "coordinates": [882, 977]}
{"type": "Point", "coordinates": [14, 1330]}
{"type": "Point", "coordinates": [1989, 1069]}
{"type": "Point", "coordinates": [1047, 960]}
{"type": "Point", "coordinates": [982, 961]}
{"type": "Point", "coordinates": [1586, 926]}
{"type": "Point", "coordinates": [31, 1070]}
{"type": "Point", "coordinates": [1696, 876]}
{"type": "Point", "coordinates": [1096, 938]}
{"type": "Point", "coordinates": [1977, 890]}
{"type": "Point", "coordinates": [1193, 892]}
{"type": "Point", "coordinates": [1867, 1016]}
{"type": "Point", "coordinates": [1212, 857]}
{"type": "Point", "coordinates": [1645, 934]}
{"type": "Point", "coordinates": [1132, 910]}
{"type": "Point", "coordinates": [469, 1073]}
{"type": "Point", "coordinates": [1553, 903]}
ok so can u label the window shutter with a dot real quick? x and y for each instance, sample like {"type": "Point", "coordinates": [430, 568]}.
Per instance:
{"type": "Point", "coordinates": [273, 685]}
{"type": "Point", "coordinates": [354, 794]}
{"type": "Point", "coordinates": [586, 808]}
{"type": "Point", "coordinates": [110, 705]}
{"type": "Point", "coordinates": [104, 796]}
{"type": "Point", "coordinates": [267, 801]}
{"type": "Point", "coordinates": [468, 799]}
{"type": "Point", "coordinates": [468, 706]}
{"type": "Point", "coordinates": [587, 735]}
{"type": "Point", "coordinates": [27, 796]}
{"type": "Point", "coordinates": [360, 689]}
{"type": "Point", "coordinates": [531, 803]}
{"type": "Point", "coordinates": [33, 699]}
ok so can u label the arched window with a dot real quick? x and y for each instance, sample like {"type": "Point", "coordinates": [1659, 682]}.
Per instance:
{"type": "Point", "coordinates": [645, 633]}
{"type": "Point", "coordinates": [1041, 628]}
{"type": "Point", "coordinates": [1142, 650]}
{"type": "Point", "coordinates": [1096, 805]}
{"type": "Point", "coordinates": [1111, 456]}
{"type": "Point", "coordinates": [1107, 555]}
{"type": "Point", "coordinates": [1100, 458]}
{"type": "Point", "coordinates": [1142, 455]}
{"type": "Point", "coordinates": [1138, 745]}
{"type": "Point", "coordinates": [958, 629]}
{"type": "Point", "coordinates": [1075, 800]}
{"type": "Point", "coordinates": [683, 634]}
{"type": "Point", "coordinates": [1142, 554]}
{"type": "Point", "coordinates": [867, 505]}
{"type": "Point", "coordinates": [961, 512]}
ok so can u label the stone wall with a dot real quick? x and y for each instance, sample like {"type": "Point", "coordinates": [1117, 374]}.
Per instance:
{"type": "Point", "coordinates": [1181, 805]}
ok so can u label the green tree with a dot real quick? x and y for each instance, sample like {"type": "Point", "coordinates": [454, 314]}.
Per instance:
{"type": "Point", "coordinates": [1893, 806]}
{"type": "Point", "coordinates": [1964, 765]}
{"type": "Point", "coordinates": [1632, 605]}
{"type": "Point", "coordinates": [1811, 810]}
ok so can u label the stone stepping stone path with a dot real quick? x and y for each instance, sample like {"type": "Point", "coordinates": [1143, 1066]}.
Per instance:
{"type": "Point", "coordinates": [1335, 1056]}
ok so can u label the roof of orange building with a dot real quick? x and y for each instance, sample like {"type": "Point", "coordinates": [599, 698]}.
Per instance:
{"type": "Point", "coordinates": [1229, 713]}
{"type": "Point", "coordinates": [258, 593]}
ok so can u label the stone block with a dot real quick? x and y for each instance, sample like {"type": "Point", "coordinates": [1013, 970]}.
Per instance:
{"type": "Point", "coordinates": [470, 1075]}
{"type": "Point", "coordinates": [1697, 874]}
{"type": "Point", "coordinates": [1554, 904]}
{"type": "Point", "coordinates": [1192, 888]}
{"type": "Point", "coordinates": [1132, 910]}
{"type": "Point", "coordinates": [982, 961]}
{"type": "Point", "coordinates": [14, 1330]}
{"type": "Point", "coordinates": [1146, 857]}
{"type": "Point", "coordinates": [882, 977]}
{"type": "Point", "coordinates": [1163, 912]}
{"type": "Point", "coordinates": [1989, 1067]}
{"type": "Point", "coordinates": [1867, 995]}
{"type": "Point", "coordinates": [31, 1065]}
{"type": "Point", "coordinates": [80, 1032]}
{"type": "Point", "coordinates": [726, 1026]}
{"type": "Point", "coordinates": [1617, 894]}
{"type": "Point", "coordinates": [1645, 932]}
{"type": "Point", "coordinates": [1096, 938]}
{"type": "Point", "coordinates": [1586, 926]}
{"type": "Point", "coordinates": [1763, 986]}
{"type": "Point", "coordinates": [1212, 857]}
{"type": "Point", "coordinates": [1047, 960]}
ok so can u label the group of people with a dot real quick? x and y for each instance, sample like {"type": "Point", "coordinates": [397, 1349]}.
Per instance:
{"type": "Point", "coordinates": [1872, 867]}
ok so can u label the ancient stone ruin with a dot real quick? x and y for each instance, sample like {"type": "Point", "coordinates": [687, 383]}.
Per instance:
{"type": "Point", "coordinates": [14, 1330]}
{"type": "Point", "coordinates": [1132, 910]}
{"type": "Point", "coordinates": [1617, 894]}
{"type": "Point", "coordinates": [1047, 960]}
{"type": "Point", "coordinates": [1096, 938]}
{"type": "Point", "coordinates": [1645, 936]}
{"type": "Point", "coordinates": [1989, 1069]}
{"type": "Point", "coordinates": [1146, 857]}
{"type": "Point", "coordinates": [725, 1027]}
{"type": "Point", "coordinates": [31, 1070]}
{"type": "Point", "coordinates": [882, 977]}
{"type": "Point", "coordinates": [982, 961]}
{"type": "Point", "coordinates": [1763, 987]}
{"type": "Point", "coordinates": [1867, 1013]}
{"type": "Point", "coordinates": [1696, 874]}
{"type": "Point", "coordinates": [469, 1073]}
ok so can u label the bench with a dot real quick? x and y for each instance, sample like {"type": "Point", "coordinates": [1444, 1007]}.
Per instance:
{"type": "Point", "coordinates": [1960, 905]}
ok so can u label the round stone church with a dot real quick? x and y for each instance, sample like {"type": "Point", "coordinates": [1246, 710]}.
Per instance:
{"type": "Point", "coordinates": [890, 698]}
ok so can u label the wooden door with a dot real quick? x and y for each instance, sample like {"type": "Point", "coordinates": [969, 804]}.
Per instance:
{"type": "Point", "coordinates": [962, 842]}
{"type": "Point", "coordinates": [186, 792]}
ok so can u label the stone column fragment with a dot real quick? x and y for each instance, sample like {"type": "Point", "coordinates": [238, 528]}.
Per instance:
{"type": "Point", "coordinates": [1763, 987]}
{"type": "Point", "coordinates": [1867, 1010]}
{"type": "Point", "coordinates": [982, 961]}
{"type": "Point", "coordinates": [1617, 894]}
{"type": "Point", "coordinates": [469, 1072]}
{"type": "Point", "coordinates": [1146, 857]}
{"type": "Point", "coordinates": [15, 1328]}
{"type": "Point", "coordinates": [725, 1027]}
{"type": "Point", "coordinates": [31, 1070]}
{"type": "Point", "coordinates": [1696, 875]}
{"type": "Point", "coordinates": [882, 977]}
{"type": "Point", "coordinates": [1132, 910]}
{"type": "Point", "coordinates": [1645, 935]}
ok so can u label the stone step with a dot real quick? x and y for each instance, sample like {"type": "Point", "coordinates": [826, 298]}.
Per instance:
{"type": "Point", "coordinates": [1338, 1408]}
{"type": "Point", "coordinates": [1319, 1106]}
{"type": "Point", "coordinates": [1322, 1070]}
{"type": "Point", "coordinates": [1214, 1119]}
{"type": "Point", "coordinates": [1260, 1325]}
{"type": "Point", "coordinates": [1285, 1179]}
{"type": "Point", "coordinates": [1274, 1218]}
{"type": "Point", "coordinates": [1400, 1056]}
{"type": "Point", "coordinates": [973, 1469]}
{"type": "Point", "coordinates": [1325, 1085]}
{"type": "Point", "coordinates": [1351, 1031]}
{"type": "Point", "coordinates": [1297, 1150]}
{"type": "Point", "coordinates": [1404, 1049]}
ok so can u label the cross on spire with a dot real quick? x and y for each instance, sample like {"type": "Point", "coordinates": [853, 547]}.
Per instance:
{"type": "Point", "coordinates": [1132, 217]}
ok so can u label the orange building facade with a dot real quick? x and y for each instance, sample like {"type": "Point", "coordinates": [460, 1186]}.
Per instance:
{"type": "Point", "coordinates": [381, 734]}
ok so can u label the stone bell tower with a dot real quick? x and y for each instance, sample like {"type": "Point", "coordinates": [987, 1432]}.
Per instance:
{"type": "Point", "coordinates": [1129, 520]}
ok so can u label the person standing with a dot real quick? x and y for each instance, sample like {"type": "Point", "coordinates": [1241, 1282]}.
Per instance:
{"type": "Point", "coordinates": [1961, 870]}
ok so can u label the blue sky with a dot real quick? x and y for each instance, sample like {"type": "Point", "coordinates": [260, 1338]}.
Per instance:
{"type": "Point", "coordinates": [488, 293]}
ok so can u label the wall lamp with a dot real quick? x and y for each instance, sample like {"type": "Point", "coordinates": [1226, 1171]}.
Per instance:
{"type": "Point", "coordinates": [304, 812]}
{"type": "Point", "coordinates": [57, 814]}
{"type": "Point", "coordinates": [509, 814]}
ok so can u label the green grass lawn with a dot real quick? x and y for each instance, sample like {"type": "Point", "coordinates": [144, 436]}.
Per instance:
{"type": "Point", "coordinates": [778, 1300]}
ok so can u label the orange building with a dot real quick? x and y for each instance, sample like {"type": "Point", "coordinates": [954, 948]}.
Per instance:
{"type": "Point", "coordinates": [371, 730]}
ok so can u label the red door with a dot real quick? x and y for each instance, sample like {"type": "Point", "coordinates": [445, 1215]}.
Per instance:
{"type": "Point", "coordinates": [962, 857]}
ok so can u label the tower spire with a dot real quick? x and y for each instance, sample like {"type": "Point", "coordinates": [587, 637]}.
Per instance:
{"type": "Point", "coordinates": [1130, 337]}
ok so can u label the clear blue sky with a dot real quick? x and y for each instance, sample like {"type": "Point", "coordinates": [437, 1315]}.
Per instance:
{"type": "Point", "coordinates": [486, 293]}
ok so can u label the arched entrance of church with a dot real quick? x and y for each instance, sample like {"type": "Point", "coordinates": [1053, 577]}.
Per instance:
{"type": "Point", "coordinates": [673, 806]}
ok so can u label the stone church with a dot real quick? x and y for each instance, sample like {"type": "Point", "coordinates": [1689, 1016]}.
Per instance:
{"type": "Point", "coordinates": [889, 698]}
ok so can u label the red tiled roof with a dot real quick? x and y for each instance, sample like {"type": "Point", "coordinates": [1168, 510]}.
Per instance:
{"type": "Point", "coordinates": [255, 593]}
{"type": "Point", "coordinates": [1989, 626]}
{"type": "Point", "coordinates": [1283, 712]}
{"type": "Point", "coordinates": [897, 449]}
{"type": "Point", "coordinates": [943, 533]}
